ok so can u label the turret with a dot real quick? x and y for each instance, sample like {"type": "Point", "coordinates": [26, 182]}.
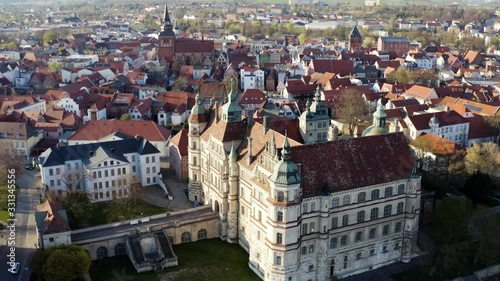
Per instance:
{"type": "Point", "coordinates": [231, 110]}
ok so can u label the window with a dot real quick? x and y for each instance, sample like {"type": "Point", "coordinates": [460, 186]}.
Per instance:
{"type": "Point", "coordinates": [304, 229]}
{"type": "Point", "coordinates": [51, 239]}
{"type": "Point", "coordinates": [385, 230]}
{"type": "Point", "coordinates": [311, 227]}
{"type": "Point", "coordinates": [346, 260]}
{"type": "Point", "coordinates": [147, 159]}
{"type": "Point", "coordinates": [374, 214]}
{"type": "Point", "coordinates": [346, 200]}
{"type": "Point", "coordinates": [375, 194]}
{"type": "Point", "coordinates": [313, 206]}
{"type": "Point", "coordinates": [51, 172]}
{"type": "Point", "coordinates": [335, 202]}
{"type": "Point", "coordinates": [281, 196]}
{"type": "Point", "coordinates": [58, 171]}
{"type": "Point", "coordinates": [259, 217]}
{"type": "Point", "coordinates": [361, 216]}
{"type": "Point", "coordinates": [303, 250]}
{"type": "Point", "coordinates": [396, 246]}
{"type": "Point", "coordinates": [372, 252]}
{"type": "Point", "coordinates": [384, 249]}
{"type": "Point", "coordinates": [279, 238]}
{"type": "Point", "coordinates": [278, 260]}
{"type": "Point", "coordinates": [387, 210]}
{"type": "Point", "coordinates": [335, 222]}
{"type": "Point", "coordinates": [58, 182]}
{"type": "Point", "coordinates": [68, 167]}
{"type": "Point", "coordinates": [359, 236]}
{"type": "Point", "coordinates": [106, 173]}
{"type": "Point", "coordinates": [361, 197]}
{"type": "Point", "coordinates": [112, 172]}
{"type": "Point", "coordinates": [333, 243]}
{"type": "Point", "coordinates": [133, 169]}
{"type": "Point", "coordinates": [311, 249]}
{"type": "Point", "coordinates": [401, 189]}
{"type": "Point", "coordinates": [133, 158]}
{"type": "Point", "coordinates": [153, 159]}
{"type": "Point", "coordinates": [310, 268]}
{"type": "Point", "coordinates": [345, 220]}
{"type": "Point", "coordinates": [148, 170]}
{"type": "Point", "coordinates": [242, 210]}
{"type": "Point", "coordinates": [358, 256]}
{"type": "Point", "coordinates": [343, 240]}
{"type": "Point", "coordinates": [388, 191]}
{"type": "Point", "coordinates": [397, 228]}
{"type": "Point", "coordinates": [51, 182]}
{"type": "Point", "coordinates": [372, 233]}
{"type": "Point", "coordinates": [123, 171]}
{"type": "Point", "coordinates": [400, 207]}
{"type": "Point", "coordinates": [280, 216]}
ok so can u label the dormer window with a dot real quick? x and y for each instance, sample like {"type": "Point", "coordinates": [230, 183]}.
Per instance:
{"type": "Point", "coordinates": [17, 135]}
{"type": "Point", "coordinates": [5, 134]}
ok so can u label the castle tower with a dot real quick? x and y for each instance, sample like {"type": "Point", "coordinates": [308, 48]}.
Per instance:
{"type": "Point", "coordinates": [197, 123]}
{"type": "Point", "coordinates": [379, 122]}
{"type": "Point", "coordinates": [166, 40]}
{"type": "Point", "coordinates": [411, 215]}
{"type": "Point", "coordinates": [284, 203]}
{"type": "Point", "coordinates": [355, 39]}
{"type": "Point", "coordinates": [231, 110]}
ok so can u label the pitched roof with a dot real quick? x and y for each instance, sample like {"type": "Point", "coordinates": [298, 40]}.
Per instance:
{"type": "Point", "coordinates": [252, 96]}
{"type": "Point", "coordinates": [97, 129]}
{"type": "Point", "coordinates": [183, 45]}
{"type": "Point", "coordinates": [417, 91]}
{"type": "Point", "coordinates": [353, 163]}
{"type": "Point", "coordinates": [180, 140]}
{"type": "Point", "coordinates": [355, 32]}
{"type": "Point", "coordinates": [51, 218]}
{"type": "Point", "coordinates": [421, 121]}
{"type": "Point", "coordinates": [341, 67]}
{"type": "Point", "coordinates": [435, 144]}
{"type": "Point", "coordinates": [93, 153]}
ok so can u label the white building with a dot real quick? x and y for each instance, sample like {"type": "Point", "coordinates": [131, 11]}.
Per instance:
{"type": "Point", "coordinates": [420, 60]}
{"type": "Point", "coordinates": [104, 170]}
{"type": "Point", "coordinates": [304, 212]}
{"type": "Point", "coordinates": [251, 78]}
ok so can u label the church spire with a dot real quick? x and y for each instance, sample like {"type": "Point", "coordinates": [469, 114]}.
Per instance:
{"type": "Point", "coordinates": [285, 153]}
{"type": "Point", "coordinates": [166, 16]}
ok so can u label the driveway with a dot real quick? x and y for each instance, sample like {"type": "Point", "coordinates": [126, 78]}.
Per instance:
{"type": "Point", "coordinates": [156, 196]}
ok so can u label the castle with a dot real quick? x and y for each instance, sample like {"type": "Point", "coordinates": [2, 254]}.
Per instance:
{"type": "Point", "coordinates": [307, 207]}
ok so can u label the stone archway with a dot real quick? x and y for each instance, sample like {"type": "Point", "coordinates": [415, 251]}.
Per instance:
{"type": "Point", "coordinates": [216, 206]}
{"type": "Point", "coordinates": [102, 252]}
{"type": "Point", "coordinates": [120, 249]}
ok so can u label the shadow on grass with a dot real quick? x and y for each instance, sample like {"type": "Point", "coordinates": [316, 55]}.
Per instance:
{"type": "Point", "coordinates": [212, 260]}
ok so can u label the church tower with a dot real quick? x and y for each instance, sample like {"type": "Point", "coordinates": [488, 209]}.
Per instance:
{"type": "Point", "coordinates": [231, 110]}
{"type": "Point", "coordinates": [197, 123]}
{"type": "Point", "coordinates": [166, 40]}
{"type": "Point", "coordinates": [355, 39]}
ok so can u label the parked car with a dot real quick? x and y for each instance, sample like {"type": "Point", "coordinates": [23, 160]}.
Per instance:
{"type": "Point", "coordinates": [28, 167]}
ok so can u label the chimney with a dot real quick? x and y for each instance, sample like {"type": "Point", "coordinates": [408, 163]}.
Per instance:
{"type": "Point", "coordinates": [265, 124]}
{"type": "Point", "coordinates": [249, 118]}
{"type": "Point", "coordinates": [249, 158]}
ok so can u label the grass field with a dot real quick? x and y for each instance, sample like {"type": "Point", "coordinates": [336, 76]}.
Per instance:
{"type": "Point", "coordinates": [99, 212]}
{"type": "Point", "coordinates": [4, 215]}
{"type": "Point", "coordinates": [210, 260]}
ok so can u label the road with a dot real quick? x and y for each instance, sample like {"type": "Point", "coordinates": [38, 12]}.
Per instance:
{"type": "Point", "coordinates": [25, 230]}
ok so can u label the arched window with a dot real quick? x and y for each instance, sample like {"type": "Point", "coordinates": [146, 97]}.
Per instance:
{"type": "Point", "coordinates": [375, 194]}
{"type": "Point", "coordinates": [333, 243]}
{"type": "Point", "coordinates": [343, 240]}
{"type": "Point", "coordinates": [202, 234]}
{"type": "Point", "coordinates": [388, 191]}
{"type": "Point", "coordinates": [102, 253]}
{"type": "Point", "coordinates": [311, 249]}
{"type": "Point", "coordinates": [120, 249]}
{"type": "Point", "coordinates": [171, 240]}
{"type": "Point", "coordinates": [345, 220]}
{"type": "Point", "coordinates": [278, 260]}
{"type": "Point", "coordinates": [387, 210]}
{"type": "Point", "coordinates": [374, 214]}
{"type": "Point", "coordinates": [359, 236]}
{"type": "Point", "coordinates": [186, 237]}
{"type": "Point", "coordinates": [361, 216]}
{"type": "Point", "coordinates": [372, 233]}
{"type": "Point", "coordinates": [400, 207]}
{"type": "Point", "coordinates": [280, 216]}
{"type": "Point", "coordinates": [361, 197]}
{"type": "Point", "coordinates": [310, 268]}
{"type": "Point", "coordinates": [401, 189]}
{"type": "Point", "coordinates": [281, 196]}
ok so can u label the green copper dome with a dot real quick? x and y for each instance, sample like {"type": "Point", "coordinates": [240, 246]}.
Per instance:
{"type": "Point", "coordinates": [285, 171]}
{"type": "Point", "coordinates": [198, 108]}
{"type": "Point", "coordinates": [231, 110]}
{"type": "Point", "coordinates": [378, 127]}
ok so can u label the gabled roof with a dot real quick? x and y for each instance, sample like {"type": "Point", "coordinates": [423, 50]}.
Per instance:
{"type": "Point", "coordinates": [353, 163]}
{"type": "Point", "coordinates": [252, 96]}
{"type": "Point", "coordinates": [180, 140]}
{"type": "Point", "coordinates": [51, 218]}
{"type": "Point", "coordinates": [421, 121]}
{"type": "Point", "coordinates": [95, 130]}
{"type": "Point", "coordinates": [355, 32]}
{"type": "Point", "coordinates": [341, 67]}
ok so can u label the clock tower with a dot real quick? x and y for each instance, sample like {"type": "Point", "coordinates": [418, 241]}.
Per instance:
{"type": "Point", "coordinates": [166, 40]}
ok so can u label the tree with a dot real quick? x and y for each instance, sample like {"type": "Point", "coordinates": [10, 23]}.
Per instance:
{"type": "Point", "coordinates": [484, 158]}
{"type": "Point", "coordinates": [368, 42]}
{"type": "Point", "coordinates": [421, 147]}
{"type": "Point", "coordinates": [125, 116]}
{"type": "Point", "coordinates": [54, 66]}
{"type": "Point", "coordinates": [66, 262]}
{"type": "Point", "coordinates": [180, 84]}
{"type": "Point", "coordinates": [48, 37]}
{"type": "Point", "coordinates": [402, 76]}
{"type": "Point", "coordinates": [125, 208]}
{"type": "Point", "coordinates": [493, 123]}
{"type": "Point", "coordinates": [351, 108]}
{"type": "Point", "coordinates": [302, 38]}
{"type": "Point", "coordinates": [10, 160]}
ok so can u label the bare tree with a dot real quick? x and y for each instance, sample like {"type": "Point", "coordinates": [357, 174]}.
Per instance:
{"type": "Point", "coordinates": [180, 84]}
{"type": "Point", "coordinates": [10, 160]}
{"type": "Point", "coordinates": [484, 158]}
{"type": "Point", "coordinates": [352, 109]}
{"type": "Point", "coordinates": [421, 148]}
{"type": "Point", "coordinates": [124, 207]}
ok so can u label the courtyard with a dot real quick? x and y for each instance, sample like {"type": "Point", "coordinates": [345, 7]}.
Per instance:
{"type": "Point", "coordinates": [203, 260]}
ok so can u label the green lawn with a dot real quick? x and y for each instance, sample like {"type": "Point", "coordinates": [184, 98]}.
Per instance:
{"type": "Point", "coordinates": [212, 260]}
{"type": "Point", "coordinates": [4, 215]}
{"type": "Point", "coordinates": [99, 212]}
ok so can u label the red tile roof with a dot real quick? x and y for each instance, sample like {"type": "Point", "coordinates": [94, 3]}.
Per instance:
{"type": "Point", "coordinates": [98, 129]}
{"type": "Point", "coordinates": [54, 221]}
{"type": "Point", "coordinates": [183, 45]}
{"type": "Point", "coordinates": [436, 145]}
{"type": "Point", "coordinates": [180, 140]}
{"type": "Point", "coordinates": [341, 67]}
{"type": "Point", "coordinates": [353, 163]}
{"type": "Point", "coordinates": [421, 121]}
{"type": "Point", "coordinates": [252, 96]}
